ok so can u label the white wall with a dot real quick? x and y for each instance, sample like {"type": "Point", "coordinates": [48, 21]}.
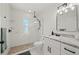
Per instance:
{"type": "Point", "coordinates": [18, 36]}
{"type": "Point", "coordinates": [49, 20]}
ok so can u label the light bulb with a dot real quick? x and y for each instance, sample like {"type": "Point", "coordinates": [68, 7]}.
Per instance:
{"type": "Point", "coordinates": [65, 10]}
{"type": "Point", "coordinates": [72, 8]}
{"type": "Point", "coordinates": [58, 11]}
{"type": "Point", "coordinates": [61, 12]}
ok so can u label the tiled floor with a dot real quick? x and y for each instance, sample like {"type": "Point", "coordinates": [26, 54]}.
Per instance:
{"type": "Point", "coordinates": [20, 48]}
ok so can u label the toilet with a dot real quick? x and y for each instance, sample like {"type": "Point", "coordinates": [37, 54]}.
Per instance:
{"type": "Point", "coordinates": [37, 49]}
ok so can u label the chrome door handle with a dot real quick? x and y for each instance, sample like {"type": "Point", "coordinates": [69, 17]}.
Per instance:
{"type": "Point", "coordinates": [69, 50]}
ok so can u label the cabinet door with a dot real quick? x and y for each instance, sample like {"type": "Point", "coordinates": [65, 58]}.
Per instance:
{"type": "Point", "coordinates": [46, 46]}
{"type": "Point", "coordinates": [69, 50]}
{"type": "Point", "coordinates": [55, 47]}
{"type": "Point", "coordinates": [51, 47]}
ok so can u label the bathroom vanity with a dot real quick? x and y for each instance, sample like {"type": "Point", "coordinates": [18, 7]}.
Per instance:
{"type": "Point", "coordinates": [64, 41]}
{"type": "Point", "coordinates": [60, 46]}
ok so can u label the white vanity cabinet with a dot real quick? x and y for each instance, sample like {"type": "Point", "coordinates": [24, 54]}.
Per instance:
{"type": "Point", "coordinates": [54, 46]}
{"type": "Point", "coordinates": [69, 50]}
{"type": "Point", "coordinates": [51, 47]}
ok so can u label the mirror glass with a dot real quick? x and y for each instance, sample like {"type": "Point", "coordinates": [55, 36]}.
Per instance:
{"type": "Point", "coordinates": [67, 21]}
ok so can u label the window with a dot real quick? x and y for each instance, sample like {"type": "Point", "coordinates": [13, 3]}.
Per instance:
{"type": "Point", "coordinates": [26, 24]}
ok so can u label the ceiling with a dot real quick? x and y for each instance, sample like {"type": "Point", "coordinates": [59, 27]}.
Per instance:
{"type": "Point", "coordinates": [38, 7]}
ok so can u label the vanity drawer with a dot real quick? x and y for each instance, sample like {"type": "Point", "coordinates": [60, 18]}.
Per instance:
{"type": "Point", "coordinates": [69, 50]}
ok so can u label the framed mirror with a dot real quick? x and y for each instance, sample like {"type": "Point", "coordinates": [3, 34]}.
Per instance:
{"type": "Point", "coordinates": [67, 21]}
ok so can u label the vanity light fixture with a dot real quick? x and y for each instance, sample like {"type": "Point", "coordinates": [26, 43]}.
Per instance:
{"type": "Point", "coordinates": [64, 8]}
{"type": "Point", "coordinates": [58, 11]}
